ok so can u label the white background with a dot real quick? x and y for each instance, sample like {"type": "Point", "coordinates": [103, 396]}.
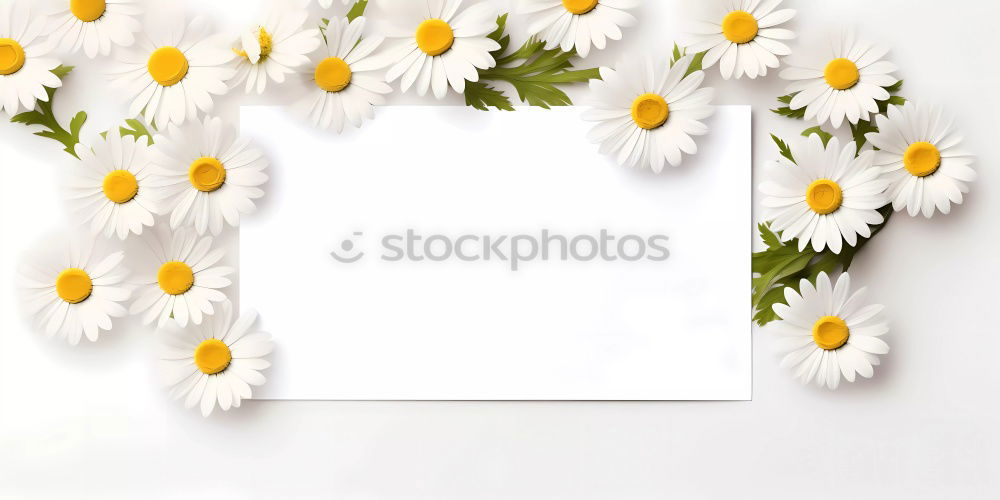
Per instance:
{"type": "Point", "coordinates": [90, 422]}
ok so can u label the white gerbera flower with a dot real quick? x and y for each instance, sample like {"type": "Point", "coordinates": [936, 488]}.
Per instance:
{"type": "Point", "coordinates": [827, 332]}
{"type": "Point", "coordinates": [208, 175]}
{"type": "Point", "coordinates": [215, 362]}
{"type": "Point", "coordinates": [24, 69]}
{"type": "Point", "coordinates": [75, 290]}
{"type": "Point", "coordinates": [111, 190]}
{"type": "Point", "coordinates": [569, 24]}
{"type": "Point", "coordinates": [442, 46]}
{"type": "Point", "coordinates": [828, 196]}
{"type": "Point", "coordinates": [172, 72]}
{"type": "Point", "coordinates": [273, 49]}
{"type": "Point", "coordinates": [647, 112]}
{"type": "Point", "coordinates": [342, 83]}
{"type": "Point", "coordinates": [919, 154]}
{"type": "Point", "coordinates": [744, 36]}
{"type": "Point", "coordinates": [846, 82]}
{"type": "Point", "coordinates": [96, 25]}
{"type": "Point", "coordinates": [180, 279]}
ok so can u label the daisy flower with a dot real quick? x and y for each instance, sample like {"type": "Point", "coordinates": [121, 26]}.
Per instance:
{"type": "Point", "coordinates": [569, 24]}
{"type": "Point", "coordinates": [273, 49]}
{"type": "Point", "coordinates": [744, 36]}
{"type": "Point", "coordinates": [647, 112]}
{"type": "Point", "coordinates": [828, 196]}
{"type": "Point", "coordinates": [215, 362]}
{"type": "Point", "coordinates": [341, 82]}
{"type": "Point", "coordinates": [442, 46]}
{"type": "Point", "coordinates": [919, 154]}
{"type": "Point", "coordinates": [75, 291]}
{"type": "Point", "coordinates": [96, 25]}
{"type": "Point", "coordinates": [826, 331]}
{"type": "Point", "coordinates": [181, 280]}
{"type": "Point", "coordinates": [173, 71]}
{"type": "Point", "coordinates": [112, 189]}
{"type": "Point", "coordinates": [208, 175]}
{"type": "Point", "coordinates": [847, 82]}
{"type": "Point", "coordinates": [24, 69]}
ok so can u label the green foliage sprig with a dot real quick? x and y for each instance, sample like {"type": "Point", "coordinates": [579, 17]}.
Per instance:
{"type": "Point", "coordinates": [534, 72]}
{"type": "Point", "coordinates": [44, 116]}
{"type": "Point", "coordinates": [357, 10]}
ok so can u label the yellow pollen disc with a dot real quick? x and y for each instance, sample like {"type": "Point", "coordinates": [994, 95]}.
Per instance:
{"type": "Point", "coordinates": [167, 66]}
{"type": "Point", "coordinates": [266, 45]}
{"type": "Point", "coordinates": [332, 74]}
{"type": "Point", "coordinates": [435, 37]}
{"type": "Point", "coordinates": [74, 285]}
{"type": "Point", "coordinates": [650, 111]}
{"type": "Point", "coordinates": [212, 356]}
{"type": "Point", "coordinates": [841, 74]}
{"type": "Point", "coordinates": [175, 278]}
{"type": "Point", "coordinates": [922, 159]}
{"type": "Point", "coordinates": [579, 7]}
{"type": "Point", "coordinates": [120, 186]}
{"type": "Point", "coordinates": [830, 332]}
{"type": "Point", "coordinates": [11, 56]}
{"type": "Point", "coordinates": [207, 174]}
{"type": "Point", "coordinates": [824, 196]}
{"type": "Point", "coordinates": [88, 10]}
{"type": "Point", "coordinates": [740, 27]}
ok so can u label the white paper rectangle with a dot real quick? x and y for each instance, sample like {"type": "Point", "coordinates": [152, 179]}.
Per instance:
{"type": "Point", "coordinates": [476, 329]}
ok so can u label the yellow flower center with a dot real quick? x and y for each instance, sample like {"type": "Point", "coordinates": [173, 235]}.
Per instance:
{"type": "Point", "coordinates": [266, 45]}
{"type": "Point", "coordinates": [435, 37]}
{"type": "Point", "coordinates": [207, 174]}
{"type": "Point", "coordinates": [11, 56]}
{"type": "Point", "coordinates": [120, 186]}
{"type": "Point", "coordinates": [650, 111]}
{"type": "Point", "coordinates": [74, 285]}
{"type": "Point", "coordinates": [332, 74]}
{"type": "Point", "coordinates": [830, 332]}
{"type": "Point", "coordinates": [841, 74]}
{"type": "Point", "coordinates": [740, 26]}
{"type": "Point", "coordinates": [175, 278]}
{"type": "Point", "coordinates": [167, 66]}
{"type": "Point", "coordinates": [579, 7]}
{"type": "Point", "coordinates": [922, 159]}
{"type": "Point", "coordinates": [88, 10]}
{"type": "Point", "coordinates": [824, 196]}
{"type": "Point", "coordinates": [212, 356]}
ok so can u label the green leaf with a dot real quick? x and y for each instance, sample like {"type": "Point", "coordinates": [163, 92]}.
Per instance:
{"type": "Point", "coordinates": [137, 130]}
{"type": "Point", "coordinates": [696, 61]}
{"type": "Point", "coordinates": [823, 135]}
{"type": "Point", "coordinates": [783, 148]}
{"type": "Point", "coordinates": [786, 110]}
{"type": "Point", "coordinates": [44, 116]}
{"type": "Point", "coordinates": [357, 10]}
{"type": "Point", "coordinates": [535, 73]}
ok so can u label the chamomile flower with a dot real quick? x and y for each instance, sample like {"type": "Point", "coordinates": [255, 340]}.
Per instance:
{"type": "Point", "coordinates": [95, 25]}
{"type": "Point", "coordinates": [578, 24]}
{"type": "Point", "coordinates": [208, 174]}
{"type": "Point", "coordinates": [647, 111]}
{"type": "Point", "coordinates": [112, 189]}
{"type": "Point", "coordinates": [172, 71]}
{"type": "Point", "coordinates": [274, 48]}
{"type": "Point", "coordinates": [743, 37]}
{"type": "Point", "coordinates": [441, 45]}
{"type": "Point", "coordinates": [827, 197]}
{"type": "Point", "coordinates": [342, 83]}
{"type": "Point", "coordinates": [828, 332]}
{"type": "Point", "coordinates": [919, 154]}
{"type": "Point", "coordinates": [25, 70]}
{"type": "Point", "coordinates": [181, 279]}
{"type": "Point", "coordinates": [215, 362]}
{"type": "Point", "coordinates": [847, 81]}
{"type": "Point", "coordinates": [75, 291]}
